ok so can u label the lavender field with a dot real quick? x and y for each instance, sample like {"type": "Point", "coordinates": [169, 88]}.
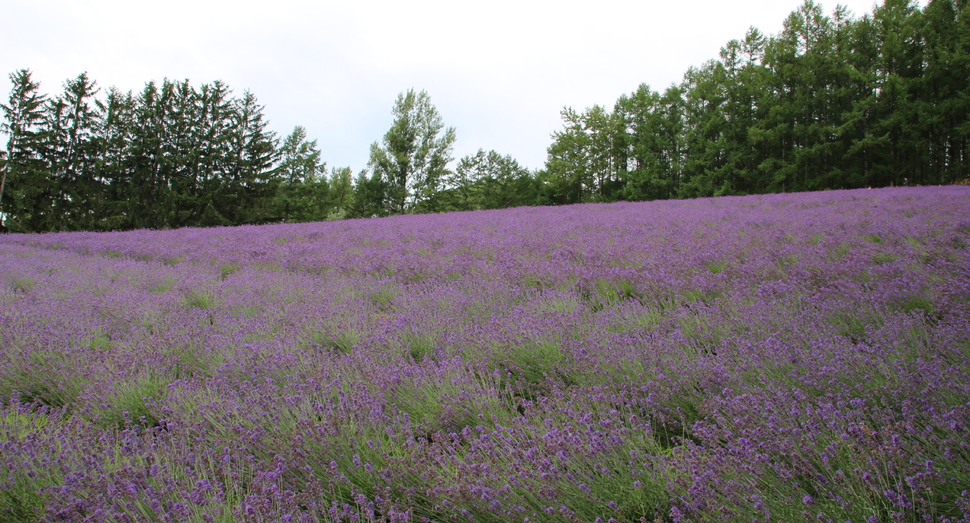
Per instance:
{"type": "Point", "coordinates": [797, 357]}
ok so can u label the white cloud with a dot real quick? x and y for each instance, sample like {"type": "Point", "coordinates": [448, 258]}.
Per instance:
{"type": "Point", "coordinates": [499, 71]}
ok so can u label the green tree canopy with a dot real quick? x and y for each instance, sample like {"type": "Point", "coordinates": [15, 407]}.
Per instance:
{"type": "Point", "coordinates": [26, 204]}
{"type": "Point", "coordinates": [412, 159]}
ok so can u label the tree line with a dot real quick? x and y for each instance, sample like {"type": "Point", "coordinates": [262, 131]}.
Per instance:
{"type": "Point", "coordinates": [832, 101]}
{"type": "Point", "coordinates": [170, 156]}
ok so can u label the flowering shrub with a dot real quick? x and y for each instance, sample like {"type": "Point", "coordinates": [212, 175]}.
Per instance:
{"type": "Point", "coordinates": [770, 358]}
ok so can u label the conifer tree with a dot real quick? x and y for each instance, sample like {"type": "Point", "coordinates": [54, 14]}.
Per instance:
{"type": "Point", "coordinates": [115, 133]}
{"type": "Point", "coordinates": [25, 188]}
{"type": "Point", "coordinates": [303, 191]}
{"type": "Point", "coordinates": [249, 183]}
{"type": "Point", "coordinates": [587, 156]}
{"type": "Point", "coordinates": [370, 196]}
{"type": "Point", "coordinates": [74, 150]}
{"type": "Point", "coordinates": [650, 128]}
{"type": "Point", "coordinates": [488, 180]}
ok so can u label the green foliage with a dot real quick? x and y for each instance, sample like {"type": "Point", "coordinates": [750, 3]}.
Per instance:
{"type": "Point", "coordinates": [884, 257]}
{"type": "Point", "coordinates": [419, 346]}
{"type": "Point", "coordinates": [200, 298]}
{"type": "Point", "coordinates": [169, 156]}
{"type": "Point", "coordinates": [22, 504]}
{"type": "Point", "coordinates": [22, 424]}
{"type": "Point", "coordinates": [382, 297]}
{"type": "Point", "coordinates": [131, 403]}
{"type": "Point", "coordinates": [488, 181]}
{"type": "Point", "coordinates": [21, 285]}
{"type": "Point", "coordinates": [617, 290]}
{"type": "Point", "coordinates": [652, 143]}
{"type": "Point", "coordinates": [45, 377]}
{"type": "Point", "coordinates": [370, 194]}
{"type": "Point", "coordinates": [412, 159]}
{"type": "Point", "coordinates": [25, 190]}
{"type": "Point", "coordinates": [716, 267]}
{"type": "Point", "coordinates": [451, 401]}
{"type": "Point", "coordinates": [227, 269]}
{"type": "Point", "coordinates": [533, 366]}
{"type": "Point", "coordinates": [74, 150]}
{"type": "Point", "coordinates": [163, 285]}
{"type": "Point", "coordinates": [22, 497]}
{"type": "Point", "coordinates": [585, 157]}
{"type": "Point", "coordinates": [341, 192]}
{"type": "Point", "coordinates": [830, 102]}
{"type": "Point", "coordinates": [338, 340]}
{"type": "Point", "coordinates": [853, 325]}
{"type": "Point", "coordinates": [304, 190]}
{"type": "Point", "coordinates": [918, 304]}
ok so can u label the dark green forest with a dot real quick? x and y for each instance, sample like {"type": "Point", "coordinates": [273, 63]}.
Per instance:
{"type": "Point", "coordinates": [831, 102]}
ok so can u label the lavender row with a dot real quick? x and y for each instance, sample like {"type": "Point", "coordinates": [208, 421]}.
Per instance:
{"type": "Point", "coordinates": [765, 358]}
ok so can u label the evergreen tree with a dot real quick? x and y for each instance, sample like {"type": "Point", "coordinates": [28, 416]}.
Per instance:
{"type": "Point", "coordinates": [567, 170]}
{"type": "Point", "coordinates": [462, 194]}
{"type": "Point", "coordinates": [370, 196]}
{"type": "Point", "coordinates": [249, 183]}
{"type": "Point", "coordinates": [73, 150]}
{"type": "Point", "coordinates": [211, 130]}
{"type": "Point", "coordinates": [151, 203]}
{"type": "Point", "coordinates": [26, 195]}
{"type": "Point", "coordinates": [113, 166]}
{"type": "Point", "coordinates": [900, 64]}
{"type": "Point", "coordinates": [705, 129]}
{"type": "Point", "coordinates": [587, 157]}
{"type": "Point", "coordinates": [303, 186]}
{"type": "Point", "coordinates": [943, 103]}
{"type": "Point", "coordinates": [650, 127]}
{"type": "Point", "coordinates": [488, 180]}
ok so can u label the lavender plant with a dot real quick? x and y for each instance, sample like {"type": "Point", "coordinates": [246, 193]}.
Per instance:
{"type": "Point", "coordinates": [767, 358]}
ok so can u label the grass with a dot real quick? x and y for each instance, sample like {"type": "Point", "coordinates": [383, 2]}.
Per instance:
{"type": "Point", "coordinates": [200, 298]}
{"type": "Point", "coordinates": [45, 378]}
{"type": "Point", "coordinates": [132, 403]}
{"type": "Point", "coordinates": [21, 285]}
{"type": "Point", "coordinates": [21, 495]}
{"type": "Point", "coordinates": [21, 503]}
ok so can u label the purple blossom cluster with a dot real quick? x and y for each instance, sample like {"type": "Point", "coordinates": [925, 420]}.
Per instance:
{"type": "Point", "coordinates": [767, 358]}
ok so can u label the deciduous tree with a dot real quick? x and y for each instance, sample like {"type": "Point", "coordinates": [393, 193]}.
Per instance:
{"type": "Point", "coordinates": [412, 159]}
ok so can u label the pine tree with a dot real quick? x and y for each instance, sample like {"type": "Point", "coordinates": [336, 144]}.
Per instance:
{"type": "Point", "coordinates": [370, 196]}
{"type": "Point", "coordinates": [212, 134]}
{"type": "Point", "coordinates": [488, 180]}
{"type": "Point", "coordinates": [900, 64]}
{"type": "Point", "coordinates": [706, 125]}
{"type": "Point", "coordinates": [587, 156]}
{"type": "Point", "coordinates": [249, 183]}
{"type": "Point", "coordinates": [25, 187]}
{"type": "Point", "coordinates": [150, 204]}
{"type": "Point", "coordinates": [943, 105]}
{"type": "Point", "coordinates": [650, 128]}
{"type": "Point", "coordinates": [303, 193]}
{"type": "Point", "coordinates": [73, 150]}
{"type": "Point", "coordinates": [113, 166]}
{"type": "Point", "coordinates": [462, 194]}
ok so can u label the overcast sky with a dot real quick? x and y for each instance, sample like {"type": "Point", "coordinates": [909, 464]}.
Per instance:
{"type": "Point", "coordinates": [498, 71]}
